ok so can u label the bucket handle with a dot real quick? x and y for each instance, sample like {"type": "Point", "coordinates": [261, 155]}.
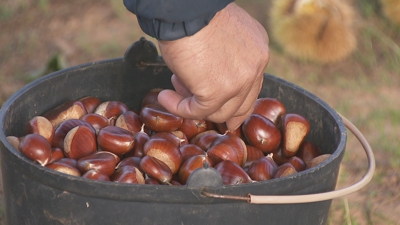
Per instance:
{"type": "Point", "coordinates": [293, 199]}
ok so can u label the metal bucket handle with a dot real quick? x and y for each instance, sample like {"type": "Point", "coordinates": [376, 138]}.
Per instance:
{"type": "Point", "coordinates": [292, 199]}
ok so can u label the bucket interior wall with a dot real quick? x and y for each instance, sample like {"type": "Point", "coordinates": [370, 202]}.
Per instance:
{"type": "Point", "coordinates": [36, 195]}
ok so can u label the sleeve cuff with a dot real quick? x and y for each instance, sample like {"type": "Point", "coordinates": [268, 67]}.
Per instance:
{"type": "Point", "coordinates": [171, 31]}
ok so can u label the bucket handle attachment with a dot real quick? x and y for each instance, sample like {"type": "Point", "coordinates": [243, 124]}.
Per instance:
{"type": "Point", "coordinates": [293, 199]}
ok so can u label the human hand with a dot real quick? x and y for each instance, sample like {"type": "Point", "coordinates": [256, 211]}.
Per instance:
{"type": "Point", "coordinates": [218, 72]}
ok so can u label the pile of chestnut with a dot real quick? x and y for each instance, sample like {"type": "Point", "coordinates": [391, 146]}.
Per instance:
{"type": "Point", "coordinates": [107, 141]}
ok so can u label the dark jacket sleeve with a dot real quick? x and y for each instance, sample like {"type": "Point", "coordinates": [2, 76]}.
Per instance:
{"type": "Point", "coordinates": [174, 19]}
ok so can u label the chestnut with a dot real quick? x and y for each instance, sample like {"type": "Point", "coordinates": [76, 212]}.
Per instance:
{"type": "Point", "coordinates": [232, 173]}
{"type": "Point", "coordinates": [169, 136]}
{"type": "Point", "coordinates": [102, 161]}
{"type": "Point", "coordinates": [192, 164]}
{"type": "Point", "coordinates": [140, 139]}
{"type": "Point", "coordinates": [262, 169]}
{"type": "Point", "coordinates": [64, 168]}
{"type": "Point", "coordinates": [261, 133]}
{"type": "Point", "coordinates": [297, 163]}
{"type": "Point", "coordinates": [190, 150]}
{"type": "Point", "coordinates": [223, 152]}
{"type": "Point", "coordinates": [307, 151]}
{"type": "Point", "coordinates": [56, 154]}
{"type": "Point", "coordinates": [128, 174]}
{"type": "Point", "coordinates": [156, 169]}
{"type": "Point", "coordinates": [285, 170]}
{"type": "Point", "coordinates": [205, 139]}
{"type": "Point", "coordinates": [279, 158]}
{"type": "Point", "coordinates": [111, 109]}
{"type": "Point", "coordinates": [253, 153]}
{"type": "Point", "coordinates": [69, 161]}
{"type": "Point", "coordinates": [129, 121]}
{"type": "Point", "coordinates": [151, 181]}
{"type": "Point", "coordinates": [294, 129]}
{"type": "Point", "coordinates": [222, 128]}
{"type": "Point", "coordinates": [79, 142]}
{"type": "Point", "coordinates": [151, 97]}
{"type": "Point", "coordinates": [14, 141]}
{"type": "Point", "coordinates": [64, 127]}
{"type": "Point", "coordinates": [157, 118]}
{"type": "Point", "coordinates": [192, 127]}
{"type": "Point", "coordinates": [96, 175]}
{"type": "Point", "coordinates": [36, 147]}
{"type": "Point", "coordinates": [235, 143]}
{"type": "Point", "coordinates": [165, 151]}
{"type": "Point", "coordinates": [116, 140]}
{"type": "Point", "coordinates": [318, 160]}
{"type": "Point", "coordinates": [270, 108]}
{"type": "Point", "coordinates": [65, 111]}
{"type": "Point", "coordinates": [42, 126]}
{"type": "Point", "coordinates": [90, 103]}
{"type": "Point", "coordinates": [97, 121]}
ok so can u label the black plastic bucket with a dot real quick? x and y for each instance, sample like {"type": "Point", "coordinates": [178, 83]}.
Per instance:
{"type": "Point", "coordinates": [37, 195]}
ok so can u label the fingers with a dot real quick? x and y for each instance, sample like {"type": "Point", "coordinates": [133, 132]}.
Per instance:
{"type": "Point", "coordinates": [180, 88]}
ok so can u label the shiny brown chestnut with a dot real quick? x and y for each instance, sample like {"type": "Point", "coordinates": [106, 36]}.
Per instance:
{"type": "Point", "coordinates": [190, 150]}
{"type": "Point", "coordinates": [253, 153]}
{"type": "Point", "coordinates": [236, 143]}
{"type": "Point", "coordinates": [223, 152]}
{"type": "Point", "coordinates": [279, 158]}
{"type": "Point", "coordinates": [151, 97]}
{"type": "Point", "coordinates": [205, 139]}
{"type": "Point", "coordinates": [90, 103]}
{"type": "Point", "coordinates": [96, 175]}
{"type": "Point", "coordinates": [169, 136]}
{"type": "Point", "coordinates": [56, 154]}
{"type": "Point", "coordinates": [128, 174]}
{"type": "Point", "coordinates": [151, 181]}
{"type": "Point", "coordinates": [261, 133]}
{"type": "Point", "coordinates": [64, 127]}
{"type": "Point", "coordinates": [42, 126]}
{"type": "Point", "coordinates": [129, 121]}
{"type": "Point", "coordinates": [285, 170]}
{"type": "Point", "coordinates": [192, 164]}
{"type": "Point", "coordinates": [130, 161]}
{"type": "Point", "coordinates": [140, 139]}
{"type": "Point", "coordinates": [222, 129]}
{"type": "Point", "coordinates": [102, 161]}
{"type": "Point", "coordinates": [183, 140]}
{"type": "Point", "coordinates": [36, 147]}
{"type": "Point", "coordinates": [157, 118]}
{"type": "Point", "coordinates": [156, 169]}
{"type": "Point", "coordinates": [97, 121]}
{"type": "Point", "coordinates": [192, 127]}
{"type": "Point", "coordinates": [69, 161]}
{"type": "Point", "coordinates": [307, 151]}
{"type": "Point", "coordinates": [111, 109]}
{"type": "Point", "coordinates": [116, 140]}
{"type": "Point", "coordinates": [297, 163]}
{"type": "Point", "coordinates": [79, 142]}
{"type": "Point", "coordinates": [65, 111]}
{"type": "Point", "coordinates": [294, 130]}
{"type": "Point", "coordinates": [262, 169]}
{"type": "Point", "coordinates": [64, 168]}
{"type": "Point", "coordinates": [164, 151]}
{"type": "Point", "coordinates": [317, 160]}
{"type": "Point", "coordinates": [232, 173]}
{"type": "Point", "coordinates": [270, 108]}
